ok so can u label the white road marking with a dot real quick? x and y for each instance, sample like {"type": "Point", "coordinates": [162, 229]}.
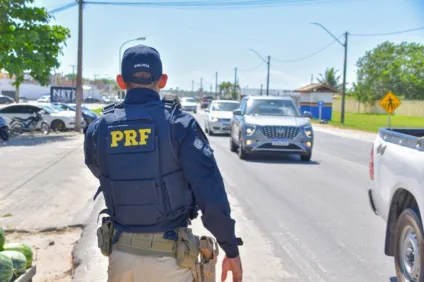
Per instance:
{"type": "Point", "coordinates": [341, 159]}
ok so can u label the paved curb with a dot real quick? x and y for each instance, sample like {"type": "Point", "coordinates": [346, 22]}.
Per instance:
{"type": "Point", "coordinates": [347, 133]}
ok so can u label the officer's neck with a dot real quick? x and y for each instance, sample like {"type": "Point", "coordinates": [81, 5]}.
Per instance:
{"type": "Point", "coordinates": [141, 96]}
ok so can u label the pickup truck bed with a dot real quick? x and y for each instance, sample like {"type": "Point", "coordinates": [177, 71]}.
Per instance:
{"type": "Point", "coordinates": [397, 170]}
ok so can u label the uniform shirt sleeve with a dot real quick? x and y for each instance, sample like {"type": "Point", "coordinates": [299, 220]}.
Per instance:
{"type": "Point", "coordinates": [90, 145]}
{"type": "Point", "coordinates": [201, 171]}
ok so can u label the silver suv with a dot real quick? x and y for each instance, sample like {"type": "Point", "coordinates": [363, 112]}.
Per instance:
{"type": "Point", "coordinates": [271, 124]}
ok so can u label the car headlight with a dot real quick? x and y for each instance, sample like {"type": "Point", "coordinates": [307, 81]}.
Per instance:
{"type": "Point", "coordinates": [250, 129]}
{"type": "Point", "coordinates": [308, 131]}
{"type": "Point", "coordinates": [214, 119]}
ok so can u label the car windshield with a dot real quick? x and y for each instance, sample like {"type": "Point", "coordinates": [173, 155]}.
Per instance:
{"type": "Point", "coordinates": [57, 108]}
{"type": "Point", "coordinates": [51, 109]}
{"type": "Point", "coordinates": [224, 106]}
{"type": "Point", "coordinates": [191, 100]}
{"type": "Point", "coordinates": [265, 107]}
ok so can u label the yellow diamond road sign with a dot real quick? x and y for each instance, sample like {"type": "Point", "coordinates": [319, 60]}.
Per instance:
{"type": "Point", "coordinates": [390, 102]}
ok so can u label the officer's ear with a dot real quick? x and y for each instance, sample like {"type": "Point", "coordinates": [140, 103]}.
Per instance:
{"type": "Point", "coordinates": [121, 82]}
{"type": "Point", "coordinates": [162, 81]}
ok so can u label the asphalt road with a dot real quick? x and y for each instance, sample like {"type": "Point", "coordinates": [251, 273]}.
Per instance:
{"type": "Point", "coordinates": [315, 215]}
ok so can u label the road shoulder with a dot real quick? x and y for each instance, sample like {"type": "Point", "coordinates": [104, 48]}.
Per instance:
{"type": "Point", "coordinates": [346, 133]}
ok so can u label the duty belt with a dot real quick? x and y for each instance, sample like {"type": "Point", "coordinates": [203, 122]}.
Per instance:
{"type": "Point", "coordinates": [146, 244]}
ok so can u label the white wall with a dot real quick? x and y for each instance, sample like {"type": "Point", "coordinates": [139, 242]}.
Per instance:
{"type": "Point", "coordinates": [29, 91]}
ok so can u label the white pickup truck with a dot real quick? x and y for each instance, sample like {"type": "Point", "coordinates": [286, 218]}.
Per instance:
{"type": "Point", "coordinates": [397, 170]}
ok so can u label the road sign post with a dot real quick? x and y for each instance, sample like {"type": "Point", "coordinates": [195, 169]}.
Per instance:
{"type": "Point", "coordinates": [390, 102]}
{"type": "Point", "coordinates": [320, 105]}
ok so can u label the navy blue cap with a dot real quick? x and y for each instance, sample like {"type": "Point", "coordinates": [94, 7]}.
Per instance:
{"type": "Point", "coordinates": [141, 58]}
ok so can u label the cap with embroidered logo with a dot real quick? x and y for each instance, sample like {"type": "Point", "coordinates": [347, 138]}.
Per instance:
{"type": "Point", "coordinates": [141, 58]}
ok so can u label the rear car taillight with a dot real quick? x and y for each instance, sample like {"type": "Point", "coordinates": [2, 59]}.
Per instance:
{"type": "Point", "coordinates": [371, 168]}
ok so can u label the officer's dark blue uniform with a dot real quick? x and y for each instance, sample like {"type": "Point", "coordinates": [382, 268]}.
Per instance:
{"type": "Point", "coordinates": [155, 167]}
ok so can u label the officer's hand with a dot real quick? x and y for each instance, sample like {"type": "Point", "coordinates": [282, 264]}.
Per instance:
{"type": "Point", "coordinates": [233, 265]}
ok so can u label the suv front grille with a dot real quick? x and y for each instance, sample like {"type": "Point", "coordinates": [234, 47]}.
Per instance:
{"type": "Point", "coordinates": [280, 132]}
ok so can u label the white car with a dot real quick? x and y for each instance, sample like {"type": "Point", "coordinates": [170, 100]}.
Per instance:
{"type": "Point", "coordinates": [44, 99]}
{"type": "Point", "coordinates": [218, 116]}
{"type": "Point", "coordinates": [189, 104]}
{"type": "Point", "coordinates": [57, 119]}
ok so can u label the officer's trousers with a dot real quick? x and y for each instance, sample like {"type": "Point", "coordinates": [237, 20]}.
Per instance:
{"type": "Point", "coordinates": [124, 267]}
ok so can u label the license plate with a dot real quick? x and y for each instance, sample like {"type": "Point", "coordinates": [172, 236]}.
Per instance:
{"type": "Point", "coordinates": [280, 143]}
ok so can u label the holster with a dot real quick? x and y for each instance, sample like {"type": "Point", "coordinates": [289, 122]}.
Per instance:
{"type": "Point", "coordinates": [209, 252]}
{"type": "Point", "coordinates": [105, 235]}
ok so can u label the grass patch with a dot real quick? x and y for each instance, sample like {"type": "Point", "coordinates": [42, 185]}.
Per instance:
{"type": "Point", "coordinates": [372, 122]}
{"type": "Point", "coordinates": [98, 111]}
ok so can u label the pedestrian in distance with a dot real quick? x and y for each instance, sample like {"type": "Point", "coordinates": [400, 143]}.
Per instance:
{"type": "Point", "coordinates": [156, 169]}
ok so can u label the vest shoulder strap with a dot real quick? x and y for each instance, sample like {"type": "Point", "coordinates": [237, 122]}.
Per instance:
{"type": "Point", "coordinates": [111, 108]}
{"type": "Point", "coordinates": [171, 101]}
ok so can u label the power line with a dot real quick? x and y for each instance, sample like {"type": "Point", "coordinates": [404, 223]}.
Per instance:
{"type": "Point", "coordinates": [216, 4]}
{"type": "Point", "coordinates": [308, 56]}
{"type": "Point", "coordinates": [389, 33]}
{"type": "Point", "coordinates": [62, 8]}
{"type": "Point", "coordinates": [252, 69]}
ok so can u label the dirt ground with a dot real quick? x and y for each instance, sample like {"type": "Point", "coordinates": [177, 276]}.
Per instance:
{"type": "Point", "coordinates": [52, 252]}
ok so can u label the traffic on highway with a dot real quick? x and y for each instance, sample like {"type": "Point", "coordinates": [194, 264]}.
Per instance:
{"type": "Point", "coordinates": [326, 204]}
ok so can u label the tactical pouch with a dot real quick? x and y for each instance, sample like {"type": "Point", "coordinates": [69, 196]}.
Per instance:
{"type": "Point", "coordinates": [187, 248]}
{"type": "Point", "coordinates": [104, 237]}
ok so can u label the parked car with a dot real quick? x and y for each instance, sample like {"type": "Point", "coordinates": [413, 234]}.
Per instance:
{"type": "Point", "coordinates": [397, 196]}
{"type": "Point", "coordinates": [205, 101]}
{"type": "Point", "coordinates": [91, 100]}
{"type": "Point", "coordinates": [218, 116]}
{"type": "Point", "coordinates": [189, 104]}
{"type": "Point", "coordinates": [4, 100]}
{"type": "Point", "coordinates": [88, 115]}
{"type": "Point", "coordinates": [58, 120]}
{"type": "Point", "coordinates": [44, 99]}
{"type": "Point", "coordinates": [271, 124]}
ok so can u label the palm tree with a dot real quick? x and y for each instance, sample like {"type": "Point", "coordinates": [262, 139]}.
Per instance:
{"type": "Point", "coordinates": [331, 78]}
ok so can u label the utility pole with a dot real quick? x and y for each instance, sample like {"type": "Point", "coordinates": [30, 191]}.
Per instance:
{"type": "Point", "coordinates": [79, 96]}
{"type": "Point", "coordinates": [201, 85]}
{"type": "Point", "coordinates": [192, 86]}
{"type": "Point", "coordinates": [267, 77]}
{"type": "Point", "coordinates": [95, 77]}
{"type": "Point", "coordinates": [235, 83]}
{"type": "Point", "coordinates": [342, 117]}
{"type": "Point", "coordinates": [346, 34]}
{"type": "Point", "coordinates": [261, 88]}
{"type": "Point", "coordinates": [73, 74]}
{"type": "Point", "coordinates": [216, 84]}
{"type": "Point", "coordinates": [268, 62]}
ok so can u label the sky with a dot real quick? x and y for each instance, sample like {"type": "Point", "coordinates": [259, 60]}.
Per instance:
{"type": "Point", "coordinates": [196, 43]}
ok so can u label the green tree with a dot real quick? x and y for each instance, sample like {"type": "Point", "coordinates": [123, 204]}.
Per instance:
{"type": "Point", "coordinates": [330, 77]}
{"type": "Point", "coordinates": [28, 42]}
{"type": "Point", "coordinates": [226, 89]}
{"type": "Point", "coordinates": [391, 67]}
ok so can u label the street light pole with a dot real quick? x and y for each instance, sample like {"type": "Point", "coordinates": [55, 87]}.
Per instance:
{"type": "Point", "coordinates": [120, 50]}
{"type": "Point", "coordinates": [346, 34]}
{"type": "Point", "coordinates": [268, 62]}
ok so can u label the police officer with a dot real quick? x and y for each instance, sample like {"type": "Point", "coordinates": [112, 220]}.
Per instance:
{"type": "Point", "coordinates": [155, 168]}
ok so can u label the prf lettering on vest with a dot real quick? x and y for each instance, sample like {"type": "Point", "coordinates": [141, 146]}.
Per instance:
{"type": "Point", "coordinates": [130, 137]}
